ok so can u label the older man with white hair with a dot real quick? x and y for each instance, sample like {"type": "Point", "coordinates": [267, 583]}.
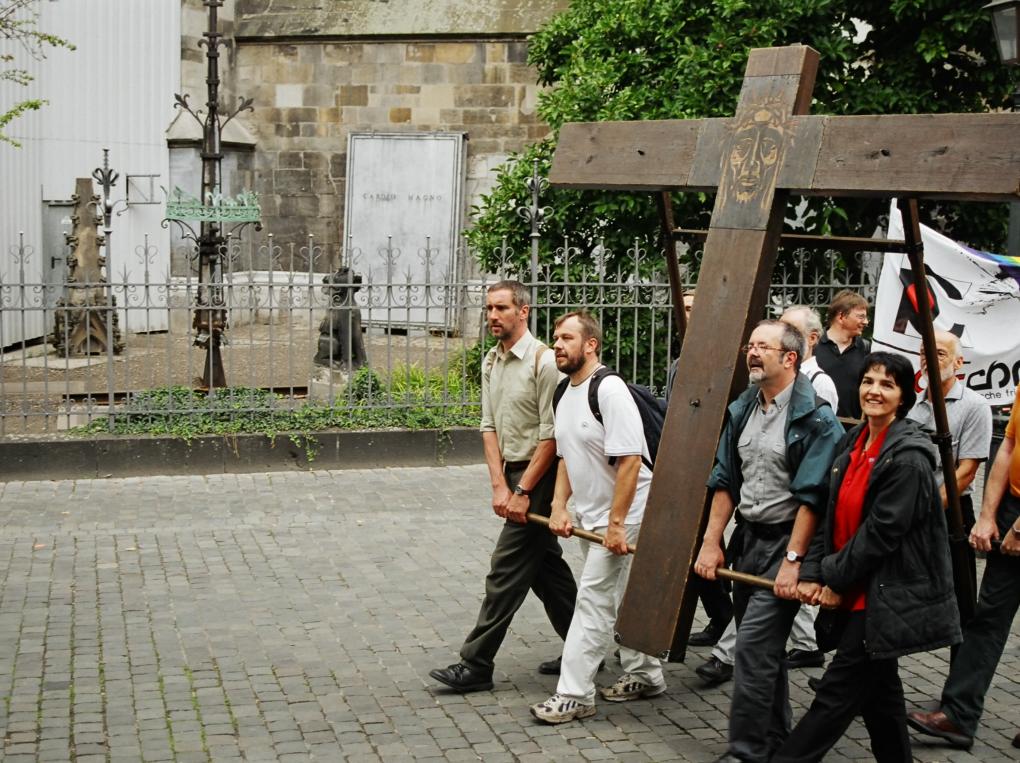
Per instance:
{"type": "Point", "coordinates": [807, 321]}
{"type": "Point", "coordinates": [970, 424]}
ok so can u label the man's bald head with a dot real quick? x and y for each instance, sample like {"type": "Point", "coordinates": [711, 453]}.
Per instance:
{"type": "Point", "coordinates": [949, 341]}
{"type": "Point", "coordinates": [950, 358]}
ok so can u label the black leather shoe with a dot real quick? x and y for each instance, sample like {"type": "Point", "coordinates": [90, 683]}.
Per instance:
{"type": "Point", "coordinates": [714, 671]}
{"type": "Point", "coordinates": [552, 667]}
{"type": "Point", "coordinates": [804, 658]}
{"type": "Point", "coordinates": [814, 682]}
{"type": "Point", "coordinates": [709, 636]}
{"type": "Point", "coordinates": [1016, 741]}
{"type": "Point", "coordinates": [460, 677]}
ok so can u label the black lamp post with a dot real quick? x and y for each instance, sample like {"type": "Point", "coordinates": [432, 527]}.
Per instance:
{"type": "Point", "coordinates": [210, 318]}
{"type": "Point", "coordinates": [1006, 21]}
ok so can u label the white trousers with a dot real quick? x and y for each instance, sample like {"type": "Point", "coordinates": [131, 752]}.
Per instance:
{"type": "Point", "coordinates": [599, 592]}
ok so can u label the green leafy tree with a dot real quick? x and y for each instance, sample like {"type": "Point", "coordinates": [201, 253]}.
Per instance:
{"type": "Point", "coordinates": [676, 59]}
{"type": "Point", "coordinates": [19, 30]}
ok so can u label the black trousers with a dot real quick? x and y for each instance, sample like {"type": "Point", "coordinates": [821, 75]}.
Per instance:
{"type": "Point", "coordinates": [715, 594]}
{"type": "Point", "coordinates": [967, 511]}
{"type": "Point", "coordinates": [853, 685]}
{"type": "Point", "coordinates": [526, 557]}
{"type": "Point", "coordinates": [984, 637]}
{"type": "Point", "coordinates": [716, 601]}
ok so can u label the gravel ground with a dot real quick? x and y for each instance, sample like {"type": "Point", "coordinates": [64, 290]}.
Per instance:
{"type": "Point", "coordinates": [33, 383]}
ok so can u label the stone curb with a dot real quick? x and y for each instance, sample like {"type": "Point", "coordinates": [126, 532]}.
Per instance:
{"type": "Point", "coordinates": [24, 459]}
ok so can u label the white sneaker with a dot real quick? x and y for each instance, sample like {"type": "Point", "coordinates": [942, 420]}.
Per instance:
{"type": "Point", "coordinates": [628, 687]}
{"type": "Point", "coordinates": [560, 709]}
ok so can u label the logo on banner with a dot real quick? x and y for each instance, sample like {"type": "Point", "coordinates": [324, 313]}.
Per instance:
{"type": "Point", "coordinates": [972, 294]}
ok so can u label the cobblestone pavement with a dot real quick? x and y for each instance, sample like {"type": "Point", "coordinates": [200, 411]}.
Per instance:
{"type": "Point", "coordinates": [295, 616]}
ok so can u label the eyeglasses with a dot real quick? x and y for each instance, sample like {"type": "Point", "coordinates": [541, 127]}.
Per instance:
{"type": "Point", "coordinates": [760, 347]}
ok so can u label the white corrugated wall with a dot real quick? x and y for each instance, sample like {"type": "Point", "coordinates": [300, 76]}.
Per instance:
{"type": "Point", "coordinates": [115, 91]}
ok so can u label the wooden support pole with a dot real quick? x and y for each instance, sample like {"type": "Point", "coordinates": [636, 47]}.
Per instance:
{"type": "Point", "coordinates": [807, 241]}
{"type": "Point", "coordinates": [672, 266]}
{"type": "Point", "coordinates": [964, 580]}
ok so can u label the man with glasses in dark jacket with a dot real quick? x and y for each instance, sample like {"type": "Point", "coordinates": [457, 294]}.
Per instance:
{"type": "Point", "coordinates": [772, 467]}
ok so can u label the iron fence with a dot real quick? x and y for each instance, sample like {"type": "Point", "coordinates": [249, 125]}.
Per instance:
{"type": "Point", "coordinates": [91, 357]}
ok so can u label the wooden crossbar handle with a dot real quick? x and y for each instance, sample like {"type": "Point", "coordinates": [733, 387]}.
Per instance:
{"type": "Point", "coordinates": [726, 574]}
{"type": "Point", "coordinates": [744, 577]}
{"type": "Point", "coordinates": [538, 519]}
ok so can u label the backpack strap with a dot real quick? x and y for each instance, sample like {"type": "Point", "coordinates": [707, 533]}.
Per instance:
{"type": "Point", "coordinates": [489, 362]}
{"type": "Point", "coordinates": [815, 375]}
{"type": "Point", "coordinates": [561, 387]}
{"type": "Point", "coordinates": [596, 411]}
{"type": "Point", "coordinates": [593, 391]}
{"type": "Point", "coordinates": [538, 355]}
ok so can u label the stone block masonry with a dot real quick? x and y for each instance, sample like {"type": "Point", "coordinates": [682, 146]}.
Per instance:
{"type": "Point", "coordinates": [319, 91]}
{"type": "Point", "coordinates": [294, 616]}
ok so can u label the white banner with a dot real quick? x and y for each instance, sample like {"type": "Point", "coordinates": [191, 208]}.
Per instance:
{"type": "Point", "coordinates": [975, 295]}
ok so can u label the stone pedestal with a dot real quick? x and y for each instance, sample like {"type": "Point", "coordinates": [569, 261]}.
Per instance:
{"type": "Point", "coordinates": [327, 385]}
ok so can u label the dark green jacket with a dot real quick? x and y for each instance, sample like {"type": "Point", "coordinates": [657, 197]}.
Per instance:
{"type": "Point", "coordinates": [901, 550]}
{"type": "Point", "coordinates": [812, 434]}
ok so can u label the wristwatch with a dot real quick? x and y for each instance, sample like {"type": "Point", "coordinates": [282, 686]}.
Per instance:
{"type": "Point", "coordinates": [793, 556]}
{"type": "Point", "coordinates": [518, 490]}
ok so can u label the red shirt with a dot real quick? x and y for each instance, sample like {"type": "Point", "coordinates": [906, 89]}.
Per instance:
{"type": "Point", "coordinates": [850, 505]}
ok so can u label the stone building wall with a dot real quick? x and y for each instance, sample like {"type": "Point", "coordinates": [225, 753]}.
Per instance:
{"type": "Point", "coordinates": [318, 69]}
{"type": "Point", "coordinates": [309, 96]}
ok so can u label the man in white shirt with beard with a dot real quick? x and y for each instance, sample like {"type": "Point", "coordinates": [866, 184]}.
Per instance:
{"type": "Point", "coordinates": [605, 468]}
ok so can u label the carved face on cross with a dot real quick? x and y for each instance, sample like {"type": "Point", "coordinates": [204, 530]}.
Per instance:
{"type": "Point", "coordinates": [758, 146]}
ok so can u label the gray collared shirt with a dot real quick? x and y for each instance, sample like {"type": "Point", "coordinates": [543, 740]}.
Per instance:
{"type": "Point", "coordinates": [970, 424]}
{"type": "Point", "coordinates": [765, 493]}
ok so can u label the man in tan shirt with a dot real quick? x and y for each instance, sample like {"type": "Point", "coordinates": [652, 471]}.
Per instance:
{"type": "Point", "coordinates": [519, 377]}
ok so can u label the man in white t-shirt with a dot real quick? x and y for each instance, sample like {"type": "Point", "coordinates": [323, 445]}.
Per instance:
{"type": "Point", "coordinates": [603, 467]}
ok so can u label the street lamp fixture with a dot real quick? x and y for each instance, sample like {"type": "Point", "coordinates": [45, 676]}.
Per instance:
{"type": "Point", "coordinates": [1006, 20]}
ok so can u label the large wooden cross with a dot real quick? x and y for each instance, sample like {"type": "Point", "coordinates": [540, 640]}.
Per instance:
{"type": "Point", "coordinates": [754, 161]}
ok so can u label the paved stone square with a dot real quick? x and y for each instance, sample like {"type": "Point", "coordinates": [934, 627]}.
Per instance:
{"type": "Point", "coordinates": [295, 615]}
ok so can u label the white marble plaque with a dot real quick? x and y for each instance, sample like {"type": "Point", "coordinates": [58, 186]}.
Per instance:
{"type": "Point", "coordinates": [403, 221]}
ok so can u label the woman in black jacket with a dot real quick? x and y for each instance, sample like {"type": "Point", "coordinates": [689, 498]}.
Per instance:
{"type": "Point", "coordinates": [879, 566]}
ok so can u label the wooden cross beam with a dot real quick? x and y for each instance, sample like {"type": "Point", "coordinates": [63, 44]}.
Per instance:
{"type": "Point", "coordinates": [753, 162]}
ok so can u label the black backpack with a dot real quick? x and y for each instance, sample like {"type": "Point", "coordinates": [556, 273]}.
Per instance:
{"type": "Point", "coordinates": [651, 408]}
